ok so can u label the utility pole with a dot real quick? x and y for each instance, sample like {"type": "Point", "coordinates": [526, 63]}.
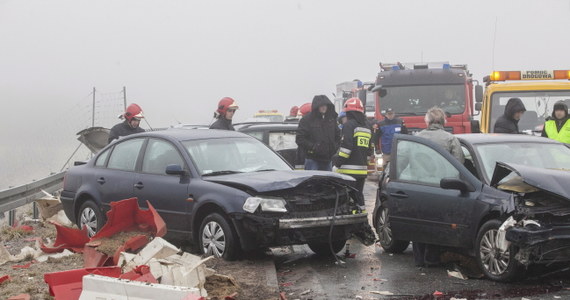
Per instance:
{"type": "Point", "coordinates": [93, 117]}
{"type": "Point", "coordinates": [125, 98]}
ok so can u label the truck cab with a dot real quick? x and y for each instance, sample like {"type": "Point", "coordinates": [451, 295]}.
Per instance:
{"type": "Point", "coordinates": [538, 90]}
{"type": "Point", "coordinates": [412, 89]}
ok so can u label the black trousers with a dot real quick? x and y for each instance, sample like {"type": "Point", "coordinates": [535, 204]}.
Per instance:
{"type": "Point", "coordinates": [359, 185]}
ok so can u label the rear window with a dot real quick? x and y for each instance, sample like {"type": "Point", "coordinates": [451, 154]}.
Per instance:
{"type": "Point", "coordinates": [125, 155]}
{"type": "Point", "coordinates": [102, 158]}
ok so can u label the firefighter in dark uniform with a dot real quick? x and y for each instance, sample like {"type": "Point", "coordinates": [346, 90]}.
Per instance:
{"type": "Point", "coordinates": [355, 147]}
{"type": "Point", "coordinates": [224, 114]}
{"type": "Point", "coordinates": [131, 125]}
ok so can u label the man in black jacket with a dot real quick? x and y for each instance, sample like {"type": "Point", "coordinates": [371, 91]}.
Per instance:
{"type": "Point", "coordinates": [131, 125]}
{"type": "Point", "coordinates": [224, 114]}
{"type": "Point", "coordinates": [509, 121]}
{"type": "Point", "coordinates": [318, 134]}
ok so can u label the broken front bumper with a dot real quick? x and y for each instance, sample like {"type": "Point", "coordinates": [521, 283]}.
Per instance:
{"type": "Point", "coordinates": [261, 231]}
{"type": "Point", "coordinates": [541, 245]}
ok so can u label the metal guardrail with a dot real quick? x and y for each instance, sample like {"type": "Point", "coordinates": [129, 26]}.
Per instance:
{"type": "Point", "coordinates": [15, 197]}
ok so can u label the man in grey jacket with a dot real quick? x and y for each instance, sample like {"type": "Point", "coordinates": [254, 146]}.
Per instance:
{"type": "Point", "coordinates": [435, 120]}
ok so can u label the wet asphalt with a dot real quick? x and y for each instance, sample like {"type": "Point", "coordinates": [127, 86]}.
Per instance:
{"type": "Point", "coordinates": [374, 274]}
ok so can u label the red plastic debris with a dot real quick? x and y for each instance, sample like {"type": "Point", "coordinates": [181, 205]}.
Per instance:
{"type": "Point", "coordinates": [124, 215]}
{"type": "Point", "coordinates": [282, 296]}
{"type": "Point", "coordinates": [93, 258]}
{"type": "Point", "coordinates": [69, 284]}
{"type": "Point", "coordinates": [286, 284]}
{"type": "Point", "coordinates": [194, 297]}
{"type": "Point", "coordinates": [4, 278]}
{"type": "Point", "coordinates": [26, 228]}
{"type": "Point", "coordinates": [21, 297]}
{"type": "Point", "coordinates": [437, 293]}
{"type": "Point", "coordinates": [22, 266]}
{"type": "Point", "coordinates": [140, 273]}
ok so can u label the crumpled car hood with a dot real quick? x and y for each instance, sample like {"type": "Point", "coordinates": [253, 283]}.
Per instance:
{"type": "Point", "coordinates": [267, 181]}
{"type": "Point", "coordinates": [95, 138]}
{"type": "Point", "coordinates": [548, 180]}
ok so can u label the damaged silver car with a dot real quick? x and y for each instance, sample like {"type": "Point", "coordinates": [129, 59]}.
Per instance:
{"type": "Point", "coordinates": [508, 205]}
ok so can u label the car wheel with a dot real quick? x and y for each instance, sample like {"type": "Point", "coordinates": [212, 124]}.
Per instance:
{"type": "Point", "coordinates": [386, 238]}
{"type": "Point", "coordinates": [324, 248]}
{"type": "Point", "coordinates": [91, 217]}
{"type": "Point", "coordinates": [218, 238]}
{"type": "Point", "coordinates": [496, 264]}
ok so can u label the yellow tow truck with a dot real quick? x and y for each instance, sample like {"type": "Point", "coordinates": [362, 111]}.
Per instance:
{"type": "Point", "coordinates": [538, 90]}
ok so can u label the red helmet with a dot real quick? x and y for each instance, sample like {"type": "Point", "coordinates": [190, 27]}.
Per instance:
{"type": "Point", "coordinates": [305, 109]}
{"type": "Point", "coordinates": [353, 104]}
{"type": "Point", "coordinates": [225, 104]}
{"type": "Point", "coordinates": [133, 111]}
{"type": "Point", "coordinates": [294, 111]}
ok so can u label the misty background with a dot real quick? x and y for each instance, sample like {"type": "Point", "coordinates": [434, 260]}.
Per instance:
{"type": "Point", "coordinates": [178, 58]}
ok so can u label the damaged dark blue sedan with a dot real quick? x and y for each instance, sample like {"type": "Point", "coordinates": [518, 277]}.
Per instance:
{"type": "Point", "coordinates": [508, 205]}
{"type": "Point", "coordinates": [223, 191]}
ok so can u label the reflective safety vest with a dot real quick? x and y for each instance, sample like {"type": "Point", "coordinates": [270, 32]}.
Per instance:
{"type": "Point", "coordinates": [552, 131]}
{"type": "Point", "coordinates": [356, 144]}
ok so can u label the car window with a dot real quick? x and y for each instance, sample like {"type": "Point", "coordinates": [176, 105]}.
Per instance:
{"type": "Point", "coordinates": [125, 154]}
{"type": "Point", "coordinates": [102, 158]}
{"type": "Point", "coordinates": [256, 134]}
{"type": "Point", "coordinates": [421, 164]}
{"type": "Point", "coordinates": [282, 140]}
{"type": "Point", "coordinates": [469, 162]}
{"type": "Point", "coordinates": [159, 154]}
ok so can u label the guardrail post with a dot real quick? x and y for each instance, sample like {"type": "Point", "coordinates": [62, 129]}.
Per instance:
{"type": "Point", "coordinates": [11, 217]}
{"type": "Point", "coordinates": [35, 210]}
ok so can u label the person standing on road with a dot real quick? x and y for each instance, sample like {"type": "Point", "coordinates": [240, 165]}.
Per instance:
{"type": "Point", "coordinates": [131, 125]}
{"type": "Point", "coordinates": [342, 119]}
{"type": "Point", "coordinates": [224, 114]}
{"type": "Point", "coordinates": [558, 127]}
{"type": "Point", "coordinates": [318, 134]}
{"type": "Point", "coordinates": [304, 110]}
{"type": "Point", "coordinates": [509, 121]}
{"type": "Point", "coordinates": [425, 254]}
{"type": "Point", "coordinates": [386, 129]}
{"type": "Point", "coordinates": [355, 147]}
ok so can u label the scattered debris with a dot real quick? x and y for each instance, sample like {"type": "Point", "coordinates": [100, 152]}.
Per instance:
{"type": "Point", "coordinates": [384, 293]}
{"type": "Point", "coordinates": [4, 278]}
{"type": "Point", "coordinates": [437, 293]}
{"type": "Point", "coordinates": [220, 286]}
{"type": "Point", "coordinates": [306, 292]}
{"type": "Point", "coordinates": [20, 297]}
{"type": "Point", "coordinates": [456, 274]}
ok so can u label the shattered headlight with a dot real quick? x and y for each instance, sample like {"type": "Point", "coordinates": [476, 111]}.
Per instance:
{"type": "Point", "coordinates": [267, 204]}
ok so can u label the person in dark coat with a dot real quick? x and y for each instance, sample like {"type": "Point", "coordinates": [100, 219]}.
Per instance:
{"type": "Point", "coordinates": [131, 125]}
{"type": "Point", "coordinates": [557, 127]}
{"type": "Point", "coordinates": [509, 121]}
{"type": "Point", "coordinates": [304, 110]}
{"type": "Point", "coordinates": [318, 134]}
{"type": "Point", "coordinates": [224, 114]}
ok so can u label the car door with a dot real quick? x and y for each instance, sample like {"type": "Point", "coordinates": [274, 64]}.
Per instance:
{"type": "Point", "coordinates": [115, 180]}
{"type": "Point", "coordinates": [168, 194]}
{"type": "Point", "coordinates": [420, 210]}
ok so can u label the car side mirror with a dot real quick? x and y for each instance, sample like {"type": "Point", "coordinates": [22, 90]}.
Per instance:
{"type": "Point", "coordinates": [175, 170]}
{"type": "Point", "coordinates": [455, 184]}
{"type": "Point", "coordinates": [478, 106]}
{"type": "Point", "coordinates": [478, 93]}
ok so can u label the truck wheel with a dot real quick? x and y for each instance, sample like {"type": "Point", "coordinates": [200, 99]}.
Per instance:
{"type": "Point", "coordinates": [386, 238]}
{"type": "Point", "coordinates": [496, 265]}
{"type": "Point", "coordinates": [91, 217]}
{"type": "Point", "coordinates": [218, 238]}
{"type": "Point", "coordinates": [324, 249]}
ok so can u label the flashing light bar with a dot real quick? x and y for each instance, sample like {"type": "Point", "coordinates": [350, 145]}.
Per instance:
{"type": "Point", "coordinates": [268, 111]}
{"type": "Point", "coordinates": [529, 75]}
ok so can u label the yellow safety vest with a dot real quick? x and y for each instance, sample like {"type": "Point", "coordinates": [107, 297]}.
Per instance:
{"type": "Point", "coordinates": [552, 131]}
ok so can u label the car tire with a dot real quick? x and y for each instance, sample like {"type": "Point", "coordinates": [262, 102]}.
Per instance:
{"type": "Point", "coordinates": [324, 248]}
{"type": "Point", "coordinates": [218, 238]}
{"type": "Point", "coordinates": [387, 240]}
{"type": "Point", "coordinates": [90, 216]}
{"type": "Point", "coordinates": [495, 265]}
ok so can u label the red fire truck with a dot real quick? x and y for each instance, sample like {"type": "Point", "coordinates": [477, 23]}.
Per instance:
{"type": "Point", "coordinates": [411, 89]}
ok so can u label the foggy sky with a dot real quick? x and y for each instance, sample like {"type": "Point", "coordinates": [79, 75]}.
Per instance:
{"type": "Point", "coordinates": [178, 58]}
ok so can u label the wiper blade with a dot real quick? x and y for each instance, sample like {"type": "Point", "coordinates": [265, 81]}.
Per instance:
{"type": "Point", "coordinates": [264, 170]}
{"type": "Point", "coordinates": [225, 172]}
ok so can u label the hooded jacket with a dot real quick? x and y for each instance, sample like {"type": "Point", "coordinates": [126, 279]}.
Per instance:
{"type": "Point", "coordinates": [558, 122]}
{"type": "Point", "coordinates": [223, 124]}
{"type": "Point", "coordinates": [123, 129]}
{"type": "Point", "coordinates": [318, 135]}
{"type": "Point", "coordinates": [506, 123]}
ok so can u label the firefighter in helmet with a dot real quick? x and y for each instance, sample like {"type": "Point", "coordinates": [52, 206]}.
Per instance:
{"type": "Point", "coordinates": [355, 146]}
{"type": "Point", "coordinates": [224, 114]}
{"type": "Point", "coordinates": [131, 125]}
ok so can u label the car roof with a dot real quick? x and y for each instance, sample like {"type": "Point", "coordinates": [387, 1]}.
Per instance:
{"type": "Point", "coordinates": [495, 138]}
{"type": "Point", "coordinates": [264, 126]}
{"type": "Point", "coordinates": [194, 134]}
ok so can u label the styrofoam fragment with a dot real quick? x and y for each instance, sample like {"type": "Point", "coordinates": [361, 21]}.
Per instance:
{"type": "Point", "coordinates": [157, 248]}
{"type": "Point", "coordinates": [45, 257]}
{"type": "Point", "coordinates": [107, 288]}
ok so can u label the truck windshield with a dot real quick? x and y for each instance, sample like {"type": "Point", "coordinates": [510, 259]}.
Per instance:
{"type": "Point", "coordinates": [417, 99]}
{"type": "Point", "coordinates": [538, 106]}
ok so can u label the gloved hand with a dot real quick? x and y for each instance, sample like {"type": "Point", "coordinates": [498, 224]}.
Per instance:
{"type": "Point", "coordinates": [336, 161]}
